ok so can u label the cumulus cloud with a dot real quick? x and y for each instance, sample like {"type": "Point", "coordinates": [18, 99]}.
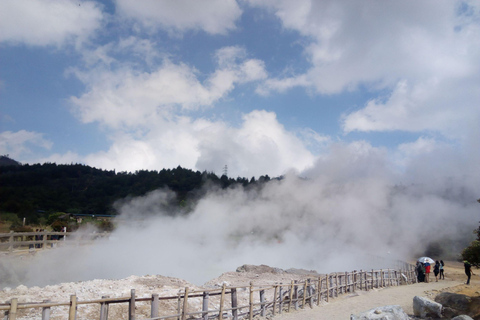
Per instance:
{"type": "Point", "coordinates": [48, 22]}
{"type": "Point", "coordinates": [425, 53]}
{"type": "Point", "coordinates": [147, 115]}
{"type": "Point", "coordinates": [447, 106]}
{"type": "Point", "coordinates": [130, 97]}
{"type": "Point", "coordinates": [213, 16]}
{"type": "Point", "coordinates": [259, 146]}
{"type": "Point", "coordinates": [21, 143]}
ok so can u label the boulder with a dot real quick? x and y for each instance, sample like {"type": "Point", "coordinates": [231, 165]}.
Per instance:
{"type": "Point", "coordinates": [258, 269]}
{"type": "Point", "coordinates": [382, 313]}
{"type": "Point", "coordinates": [455, 304]}
{"type": "Point", "coordinates": [423, 307]}
{"type": "Point", "coordinates": [462, 317]}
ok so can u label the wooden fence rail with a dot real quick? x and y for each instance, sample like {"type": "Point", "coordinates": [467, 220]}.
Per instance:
{"type": "Point", "coordinates": [42, 240]}
{"type": "Point", "coordinates": [241, 302]}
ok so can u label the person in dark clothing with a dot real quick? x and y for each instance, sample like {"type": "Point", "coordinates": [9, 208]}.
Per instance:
{"type": "Point", "coordinates": [420, 272]}
{"type": "Point", "coordinates": [442, 266]}
{"type": "Point", "coordinates": [468, 270]}
{"type": "Point", "coordinates": [436, 270]}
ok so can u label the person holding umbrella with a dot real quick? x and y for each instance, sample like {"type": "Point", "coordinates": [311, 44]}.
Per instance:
{"type": "Point", "coordinates": [427, 262]}
{"type": "Point", "coordinates": [427, 271]}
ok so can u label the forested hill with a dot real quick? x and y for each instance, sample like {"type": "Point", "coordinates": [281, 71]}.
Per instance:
{"type": "Point", "coordinates": [34, 191]}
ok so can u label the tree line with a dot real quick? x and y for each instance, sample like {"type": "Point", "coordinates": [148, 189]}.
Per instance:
{"type": "Point", "coordinates": [36, 191]}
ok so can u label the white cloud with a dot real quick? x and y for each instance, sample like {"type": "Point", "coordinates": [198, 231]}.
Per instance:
{"type": "Point", "coordinates": [449, 106]}
{"type": "Point", "coordinates": [427, 52]}
{"type": "Point", "coordinates": [128, 97]}
{"type": "Point", "coordinates": [19, 144]}
{"type": "Point", "coordinates": [420, 146]}
{"type": "Point", "coordinates": [48, 22]}
{"type": "Point", "coordinates": [212, 16]}
{"type": "Point", "coordinates": [259, 146]}
{"type": "Point", "coordinates": [387, 41]}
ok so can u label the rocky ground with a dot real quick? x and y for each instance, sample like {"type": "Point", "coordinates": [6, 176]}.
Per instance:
{"type": "Point", "coordinates": [166, 286]}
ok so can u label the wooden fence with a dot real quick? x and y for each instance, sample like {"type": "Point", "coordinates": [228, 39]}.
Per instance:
{"type": "Point", "coordinates": [239, 302]}
{"type": "Point", "coordinates": [15, 241]}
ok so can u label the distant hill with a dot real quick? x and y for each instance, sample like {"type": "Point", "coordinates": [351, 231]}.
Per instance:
{"type": "Point", "coordinates": [38, 190]}
{"type": "Point", "coordinates": [6, 161]}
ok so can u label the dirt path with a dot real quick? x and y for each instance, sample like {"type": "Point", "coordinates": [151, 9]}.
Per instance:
{"type": "Point", "coordinates": [343, 306]}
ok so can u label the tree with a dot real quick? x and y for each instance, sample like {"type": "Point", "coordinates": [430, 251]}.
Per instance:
{"type": "Point", "coordinates": [472, 252]}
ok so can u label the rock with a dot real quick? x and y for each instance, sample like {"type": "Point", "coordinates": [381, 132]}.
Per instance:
{"type": "Point", "coordinates": [459, 304]}
{"type": "Point", "coordinates": [462, 317]}
{"type": "Point", "coordinates": [382, 313]}
{"type": "Point", "coordinates": [258, 269]}
{"type": "Point", "coordinates": [423, 307]}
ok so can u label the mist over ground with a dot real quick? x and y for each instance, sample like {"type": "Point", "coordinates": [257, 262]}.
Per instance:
{"type": "Point", "coordinates": [353, 210]}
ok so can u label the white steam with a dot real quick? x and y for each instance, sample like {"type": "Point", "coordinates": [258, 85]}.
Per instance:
{"type": "Point", "coordinates": [346, 210]}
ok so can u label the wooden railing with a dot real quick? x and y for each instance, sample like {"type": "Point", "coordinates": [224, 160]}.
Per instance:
{"type": "Point", "coordinates": [240, 302]}
{"type": "Point", "coordinates": [14, 241]}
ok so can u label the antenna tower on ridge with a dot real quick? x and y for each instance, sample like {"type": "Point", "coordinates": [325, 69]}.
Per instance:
{"type": "Point", "coordinates": [225, 171]}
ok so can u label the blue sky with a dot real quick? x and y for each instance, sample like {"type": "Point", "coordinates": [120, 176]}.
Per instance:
{"type": "Point", "coordinates": [262, 86]}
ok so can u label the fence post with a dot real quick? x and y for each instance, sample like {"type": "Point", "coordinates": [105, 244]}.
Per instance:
{"type": "Point", "coordinates": [72, 315]}
{"type": "Point", "coordinates": [154, 307]}
{"type": "Point", "coordinates": [10, 242]}
{"type": "Point", "coordinates": [46, 311]}
{"type": "Point", "coordinates": [179, 304]}
{"type": "Point", "coordinates": [328, 286]}
{"type": "Point", "coordinates": [296, 295]}
{"type": "Point", "coordinates": [205, 305]}
{"type": "Point", "coordinates": [131, 305]}
{"type": "Point", "coordinates": [250, 308]}
{"type": "Point", "coordinates": [12, 314]}
{"type": "Point", "coordinates": [366, 280]}
{"type": "Point", "coordinates": [304, 294]}
{"type": "Point", "coordinates": [222, 298]}
{"type": "Point", "coordinates": [319, 288]}
{"type": "Point", "coordinates": [336, 284]}
{"type": "Point", "coordinates": [104, 309]}
{"type": "Point", "coordinates": [44, 239]}
{"type": "Point", "coordinates": [290, 295]}
{"type": "Point", "coordinates": [346, 288]}
{"type": "Point", "coordinates": [310, 293]}
{"type": "Point", "coordinates": [280, 297]}
{"type": "Point", "coordinates": [361, 279]}
{"type": "Point", "coordinates": [354, 280]}
{"type": "Point", "coordinates": [234, 304]}
{"type": "Point", "coordinates": [185, 304]}
{"type": "Point", "coordinates": [262, 303]}
{"type": "Point", "coordinates": [275, 292]}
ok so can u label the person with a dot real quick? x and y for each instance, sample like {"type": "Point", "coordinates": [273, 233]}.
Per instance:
{"type": "Point", "coordinates": [442, 265]}
{"type": "Point", "coordinates": [468, 270]}
{"type": "Point", "coordinates": [420, 272]}
{"type": "Point", "coordinates": [427, 271]}
{"type": "Point", "coordinates": [436, 270]}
